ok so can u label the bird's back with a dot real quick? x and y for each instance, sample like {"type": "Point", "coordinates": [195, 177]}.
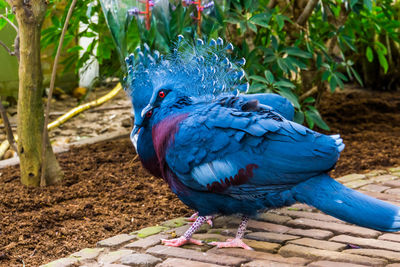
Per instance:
{"type": "Point", "coordinates": [234, 149]}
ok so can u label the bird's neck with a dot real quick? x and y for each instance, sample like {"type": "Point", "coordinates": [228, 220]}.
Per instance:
{"type": "Point", "coordinates": [163, 133]}
{"type": "Point", "coordinates": [146, 152]}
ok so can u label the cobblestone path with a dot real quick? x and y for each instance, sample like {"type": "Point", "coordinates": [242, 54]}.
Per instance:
{"type": "Point", "coordinates": [295, 236]}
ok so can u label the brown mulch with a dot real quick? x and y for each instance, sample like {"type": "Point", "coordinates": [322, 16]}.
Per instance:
{"type": "Point", "coordinates": [369, 123]}
{"type": "Point", "coordinates": [106, 192]}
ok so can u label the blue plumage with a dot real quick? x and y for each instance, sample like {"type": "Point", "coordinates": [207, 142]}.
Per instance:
{"type": "Point", "coordinates": [181, 70]}
{"type": "Point", "coordinates": [233, 155]}
{"type": "Point", "coordinates": [224, 153]}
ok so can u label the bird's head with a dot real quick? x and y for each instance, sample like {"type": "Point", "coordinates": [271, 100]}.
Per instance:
{"type": "Point", "coordinates": [200, 69]}
{"type": "Point", "coordinates": [165, 95]}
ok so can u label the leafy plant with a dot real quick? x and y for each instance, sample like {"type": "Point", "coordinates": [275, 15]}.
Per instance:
{"type": "Point", "coordinates": [296, 51]}
{"type": "Point", "coordinates": [88, 21]}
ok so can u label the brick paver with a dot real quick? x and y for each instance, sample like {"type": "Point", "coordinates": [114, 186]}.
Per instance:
{"type": "Point", "coordinates": [293, 236]}
{"type": "Point", "coordinates": [335, 227]}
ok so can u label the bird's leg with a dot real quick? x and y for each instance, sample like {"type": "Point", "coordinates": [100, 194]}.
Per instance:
{"type": "Point", "coordinates": [187, 236]}
{"type": "Point", "coordinates": [236, 242]}
{"type": "Point", "coordinates": [196, 214]}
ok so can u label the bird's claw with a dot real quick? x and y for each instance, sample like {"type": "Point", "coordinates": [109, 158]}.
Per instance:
{"type": "Point", "coordinates": [209, 221]}
{"type": "Point", "coordinates": [177, 242]}
{"type": "Point", "coordinates": [231, 243]}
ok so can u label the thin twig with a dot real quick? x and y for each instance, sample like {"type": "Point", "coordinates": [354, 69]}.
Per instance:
{"type": "Point", "coordinates": [8, 49]}
{"type": "Point", "coordinates": [302, 19]}
{"type": "Point", "coordinates": [271, 4]}
{"type": "Point", "coordinates": [12, 126]}
{"type": "Point", "coordinates": [310, 92]}
{"type": "Point", "coordinates": [11, 23]}
{"type": "Point", "coordinates": [52, 81]}
{"type": "Point", "coordinates": [7, 126]}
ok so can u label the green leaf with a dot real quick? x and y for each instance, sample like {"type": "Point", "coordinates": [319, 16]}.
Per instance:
{"type": "Point", "coordinates": [257, 87]}
{"type": "Point", "coordinates": [383, 62]}
{"type": "Point", "coordinates": [355, 73]}
{"type": "Point", "coordinates": [247, 4]}
{"type": "Point", "coordinates": [348, 41]}
{"type": "Point", "coordinates": [269, 59]}
{"type": "Point", "coordinates": [316, 117]}
{"type": "Point", "coordinates": [309, 119]}
{"type": "Point", "coordinates": [295, 51]}
{"type": "Point", "coordinates": [282, 65]}
{"type": "Point", "coordinates": [319, 60]}
{"type": "Point", "coordinates": [337, 80]}
{"type": "Point", "coordinates": [74, 49]}
{"type": "Point", "coordinates": [252, 27]}
{"type": "Point", "coordinates": [280, 19]}
{"type": "Point", "coordinates": [299, 117]}
{"type": "Point", "coordinates": [274, 42]}
{"type": "Point", "coordinates": [296, 62]}
{"type": "Point", "coordinates": [380, 48]}
{"type": "Point", "coordinates": [369, 54]}
{"type": "Point", "coordinates": [309, 100]}
{"type": "Point", "coordinates": [285, 92]}
{"type": "Point", "coordinates": [258, 79]}
{"type": "Point", "coordinates": [285, 84]}
{"type": "Point", "coordinates": [326, 75]}
{"type": "Point", "coordinates": [88, 34]}
{"type": "Point", "coordinates": [332, 84]}
{"type": "Point", "coordinates": [353, 3]}
{"type": "Point", "coordinates": [341, 76]}
{"type": "Point", "coordinates": [261, 19]}
{"type": "Point", "coordinates": [55, 21]}
{"type": "Point", "coordinates": [269, 76]}
{"type": "Point", "coordinates": [368, 4]}
{"type": "Point", "coordinates": [232, 20]}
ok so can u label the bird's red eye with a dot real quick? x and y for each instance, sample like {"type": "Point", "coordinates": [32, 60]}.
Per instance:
{"type": "Point", "coordinates": [161, 94]}
{"type": "Point", "coordinates": [149, 113]}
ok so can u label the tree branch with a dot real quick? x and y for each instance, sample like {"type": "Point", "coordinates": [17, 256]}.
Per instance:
{"type": "Point", "coordinates": [10, 22]}
{"type": "Point", "coordinates": [302, 19]}
{"type": "Point", "coordinates": [52, 81]}
{"type": "Point", "coordinates": [6, 48]}
{"type": "Point", "coordinates": [271, 4]}
{"type": "Point", "coordinates": [7, 126]}
{"type": "Point", "coordinates": [310, 92]}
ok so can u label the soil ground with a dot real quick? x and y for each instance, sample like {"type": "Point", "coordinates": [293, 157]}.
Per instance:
{"type": "Point", "coordinates": [106, 192]}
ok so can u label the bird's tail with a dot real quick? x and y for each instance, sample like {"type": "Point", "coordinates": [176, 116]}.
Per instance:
{"type": "Point", "coordinates": [335, 199]}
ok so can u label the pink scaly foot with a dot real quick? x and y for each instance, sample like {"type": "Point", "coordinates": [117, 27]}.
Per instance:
{"type": "Point", "coordinates": [209, 220]}
{"type": "Point", "coordinates": [231, 243]}
{"type": "Point", "coordinates": [187, 236]}
{"type": "Point", "coordinates": [237, 242]}
{"type": "Point", "coordinates": [177, 242]}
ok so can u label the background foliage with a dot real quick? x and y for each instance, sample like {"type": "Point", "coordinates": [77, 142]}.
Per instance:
{"type": "Point", "coordinates": [298, 49]}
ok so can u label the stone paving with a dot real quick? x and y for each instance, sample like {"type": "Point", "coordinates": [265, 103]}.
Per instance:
{"type": "Point", "coordinates": [295, 236]}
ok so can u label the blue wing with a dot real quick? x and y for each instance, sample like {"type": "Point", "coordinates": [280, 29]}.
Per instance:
{"type": "Point", "coordinates": [280, 104]}
{"type": "Point", "coordinates": [221, 148]}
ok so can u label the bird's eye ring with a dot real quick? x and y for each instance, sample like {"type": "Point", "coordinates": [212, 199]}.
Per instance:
{"type": "Point", "coordinates": [149, 113]}
{"type": "Point", "coordinates": [161, 94]}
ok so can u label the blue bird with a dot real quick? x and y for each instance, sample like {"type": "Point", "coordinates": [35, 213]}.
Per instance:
{"type": "Point", "coordinates": [226, 155]}
{"type": "Point", "coordinates": [141, 81]}
{"type": "Point", "coordinates": [148, 69]}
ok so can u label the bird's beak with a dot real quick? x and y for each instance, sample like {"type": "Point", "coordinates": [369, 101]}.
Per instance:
{"type": "Point", "coordinates": [146, 109]}
{"type": "Point", "coordinates": [134, 135]}
{"type": "Point", "coordinates": [135, 130]}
